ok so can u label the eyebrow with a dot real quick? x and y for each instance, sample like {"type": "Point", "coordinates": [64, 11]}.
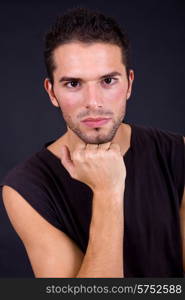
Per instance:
{"type": "Point", "coordinates": [65, 78]}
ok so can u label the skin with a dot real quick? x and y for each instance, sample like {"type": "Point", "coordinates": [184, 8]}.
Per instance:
{"type": "Point", "coordinates": [91, 96]}
{"type": "Point", "coordinates": [103, 147]}
{"type": "Point", "coordinates": [91, 151]}
{"type": "Point", "coordinates": [96, 85]}
{"type": "Point", "coordinates": [94, 98]}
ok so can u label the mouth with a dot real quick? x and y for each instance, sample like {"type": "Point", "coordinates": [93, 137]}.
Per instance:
{"type": "Point", "coordinates": [96, 122]}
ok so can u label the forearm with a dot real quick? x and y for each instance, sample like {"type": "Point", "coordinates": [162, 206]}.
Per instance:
{"type": "Point", "coordinates": [104, 255]}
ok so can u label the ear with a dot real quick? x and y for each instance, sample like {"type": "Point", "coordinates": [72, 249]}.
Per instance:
{"type": "Point", "coordinates": [49, 89]}
{"type": "Point", "coordinates": [130, 82]}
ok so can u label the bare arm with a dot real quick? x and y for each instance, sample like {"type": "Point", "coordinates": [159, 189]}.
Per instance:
{"type": "Point", "coordinates": [51, 252]}
{"type": "Point", "coordinates": [104, 256]}
{"type": "Point", "coordinates": [103, 169]}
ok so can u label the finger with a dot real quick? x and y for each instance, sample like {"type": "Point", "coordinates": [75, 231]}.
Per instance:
{"type": "Point", "coordinates": [91, 147]}
{"type": "Point", "coordinates": [80, 147]}
{"type": "Point", "coordinates": [115, 146]}
{"type": "Point", "coordinates": [66, 159]}
{"type": "Point", "coordinates": [104, 146]}
{"type": "Point", "coordinates": [78, 152]}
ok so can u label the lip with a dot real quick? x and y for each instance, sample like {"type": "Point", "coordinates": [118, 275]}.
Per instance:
{"type": "Point", "coordinates": [96, 122]}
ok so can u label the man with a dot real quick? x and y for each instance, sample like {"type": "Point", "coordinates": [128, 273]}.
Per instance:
{"type": "Point", "coordinates": [106, 198]}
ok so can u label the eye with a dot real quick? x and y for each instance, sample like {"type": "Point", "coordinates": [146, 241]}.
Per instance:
{"type": "Point", "coordinates": [72, 83]}
{"type": "Point", "coordinates": [109, 80]}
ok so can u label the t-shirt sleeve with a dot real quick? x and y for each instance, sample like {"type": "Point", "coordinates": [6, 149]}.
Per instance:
{"type": "Point", "coordinates": [31, 188]}
{"type": "Point", "coordinates": [173, 148]}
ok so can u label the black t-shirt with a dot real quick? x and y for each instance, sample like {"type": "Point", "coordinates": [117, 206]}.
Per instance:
{"type": "Point", "coordinates": [155, 165]}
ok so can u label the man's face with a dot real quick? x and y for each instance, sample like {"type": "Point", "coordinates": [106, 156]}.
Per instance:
{"type": "Point", "coordinates": [90, 82]}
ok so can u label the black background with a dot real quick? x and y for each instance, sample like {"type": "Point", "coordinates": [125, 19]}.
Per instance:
{"type": "Point", "coordinates": [27, 118]}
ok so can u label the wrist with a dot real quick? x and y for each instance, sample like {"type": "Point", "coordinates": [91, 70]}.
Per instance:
{"type": "Point", "coordinates": [108, 192]}
{"type": "Point", "coordinates": [108, 202]}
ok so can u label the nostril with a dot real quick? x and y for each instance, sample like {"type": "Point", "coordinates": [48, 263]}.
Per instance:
{"type": "Point", "coordinates": [94, 105]}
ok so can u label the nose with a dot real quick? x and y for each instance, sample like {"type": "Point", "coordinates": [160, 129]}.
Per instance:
{"type": "Point", "coordinates": [93, 97]}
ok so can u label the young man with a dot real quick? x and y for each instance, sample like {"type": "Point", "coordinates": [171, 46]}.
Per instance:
{"type": "Point", "coordinates": [106, 198]}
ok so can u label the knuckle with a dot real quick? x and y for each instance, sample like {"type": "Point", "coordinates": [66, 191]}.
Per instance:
{"type": "Point", "coordinates": [91, 153]}
{"type": "Point", "coordinates": [77, 156]}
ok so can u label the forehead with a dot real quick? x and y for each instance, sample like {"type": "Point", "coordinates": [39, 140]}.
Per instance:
{"type": "Point", "coordinates": [77, 58]}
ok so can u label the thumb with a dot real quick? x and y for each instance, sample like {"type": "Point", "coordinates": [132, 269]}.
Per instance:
{"type": "Point", "coordinates": [66, 159]}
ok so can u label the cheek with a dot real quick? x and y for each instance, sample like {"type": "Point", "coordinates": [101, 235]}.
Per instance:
{"type": "Point", "coordinates": [116, 95]}
{"type": "Point", "coordinates": [69, 103]}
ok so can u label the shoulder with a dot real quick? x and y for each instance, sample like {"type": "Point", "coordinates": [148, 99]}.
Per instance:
{"type": "Point", "coordinates": [164, 141]}
{"type": "Point", "coordinates": [35, 168]}
{"type": "Point", "coordinates": [165, 148]}
{"type": "Point", "coordinates": [158, 133]}
{"type": "Point", "coordinates": [29, 167]}
{"type": "Point", "coordinates": [32, 180]}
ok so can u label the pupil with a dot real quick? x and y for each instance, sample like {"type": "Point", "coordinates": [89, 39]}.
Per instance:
{"type": "Point", "coordinates": [73, 83]}
{"type": "Point", "coordinates": [108, 80]}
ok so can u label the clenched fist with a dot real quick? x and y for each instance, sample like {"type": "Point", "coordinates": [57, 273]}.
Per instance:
{"type": "Point", "coordinates": [101, 167]}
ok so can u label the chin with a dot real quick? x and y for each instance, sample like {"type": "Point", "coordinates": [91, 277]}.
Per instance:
{"type": "Point", "coordinates": [96, 137]}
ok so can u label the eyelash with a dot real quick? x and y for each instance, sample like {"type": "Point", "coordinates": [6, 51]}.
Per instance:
{"type": "Point", "coordinates": [66, 84]}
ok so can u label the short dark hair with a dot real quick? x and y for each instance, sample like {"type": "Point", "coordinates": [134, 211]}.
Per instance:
{"type": "Point", "coordinates": [87, 26]}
